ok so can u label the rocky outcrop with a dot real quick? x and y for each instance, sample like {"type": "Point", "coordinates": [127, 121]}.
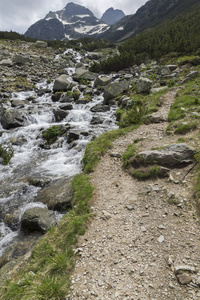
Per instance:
{"type": "Point", "coordinates": [37, 219]}
{"type": "Point", "coordinates": [175, 155]}
{"type": "Point", "coordinates": [57, 195]}
{"type": "Point", "coordinates": [6, 62]}
{"type": "Point", "coordinates": [113, 90]}
{"type": "Point", "coordinates": [143, 85]}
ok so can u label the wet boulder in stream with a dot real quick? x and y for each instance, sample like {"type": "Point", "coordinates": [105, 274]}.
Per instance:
{"type": "Point", "coordinates": [62, 83]}
{"type": "Point", "coordinates": [83, 74]}
{"type": "Point", "coordinates": [60, 114]}
{"type": "Point", "coordinates": [11, 118]}
{"type": "Point", "coordinates": [72, 136]}
{"type": "Point", "coordinates": [100, 108]}
{"type": "Point", "coordinates": [57, 195]}
{"type": "Point", "coordinates": [38, 219]}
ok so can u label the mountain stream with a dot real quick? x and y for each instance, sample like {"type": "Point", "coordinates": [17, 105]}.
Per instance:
{"type": "Point", "coordinates": [30, 160]}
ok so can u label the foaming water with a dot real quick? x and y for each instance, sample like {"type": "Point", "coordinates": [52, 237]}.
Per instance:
{"type": "Point", "coordinates": [32, 160]}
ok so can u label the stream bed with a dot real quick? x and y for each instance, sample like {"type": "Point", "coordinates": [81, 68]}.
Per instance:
{"type": "Point", "coordinates": [32, 160]}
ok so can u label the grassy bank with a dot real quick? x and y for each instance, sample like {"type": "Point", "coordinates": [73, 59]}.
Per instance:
{"type": "Point", "coordinates": [47, 274]}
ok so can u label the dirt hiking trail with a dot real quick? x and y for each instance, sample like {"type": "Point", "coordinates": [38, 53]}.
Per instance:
{"type": "Point", "coordinates": [144, 241]}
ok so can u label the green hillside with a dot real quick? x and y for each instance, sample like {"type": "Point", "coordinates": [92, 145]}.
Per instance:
{"type": "Point", "coordinates": [178, 36]}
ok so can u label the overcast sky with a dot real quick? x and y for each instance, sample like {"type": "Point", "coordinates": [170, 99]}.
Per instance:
{"type": "Point", "coordinates": [18, 15]}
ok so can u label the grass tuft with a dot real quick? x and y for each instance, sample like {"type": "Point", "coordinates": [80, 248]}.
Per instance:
{"type": "Point", "coordinates": [130, 151]}
{"type": "Point", "coordinates": [147, 174]}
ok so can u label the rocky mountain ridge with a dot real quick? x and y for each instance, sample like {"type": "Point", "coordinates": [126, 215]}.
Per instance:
{"type": "Point", "coordinates": [76, 21]}
{"type": "Point", "coordinates": [72, 22]}
{"type": "Point", "coordinates": [149, 15]}
{"type": "Point", "coordinates": [112, 16]}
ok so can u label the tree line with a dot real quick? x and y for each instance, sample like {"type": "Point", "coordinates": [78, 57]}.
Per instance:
{"type": "Point", "coordinates": [179, 36]}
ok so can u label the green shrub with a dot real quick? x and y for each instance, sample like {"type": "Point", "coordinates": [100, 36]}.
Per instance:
{"type": "Point", "coordinates": [132, 115]}
{"type": "Point", "coordinates": [184, 128]}
{"type": "Point", "coordinates": [147, 174]}
{"type": "Point", "coordinates": [51, 134]}
{"type": "Point", "coordinates": [6, 153]}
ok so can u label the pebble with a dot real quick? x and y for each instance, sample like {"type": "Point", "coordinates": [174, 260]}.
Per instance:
{"type": "Point", "coordinates": [161, 239]}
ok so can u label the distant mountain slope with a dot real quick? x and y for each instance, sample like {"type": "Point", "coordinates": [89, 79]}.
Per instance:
{"type": "Point", "coordinates": [72, 22]}
{"type": "Point", "coordinates": [112, 16]}
{"type": "Point", "coordinates": [153, 13]}
{"type": "Point", "coordinates": [75, 21]}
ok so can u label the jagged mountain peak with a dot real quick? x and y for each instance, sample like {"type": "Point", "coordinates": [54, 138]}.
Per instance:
{"type": "Point", "coordinates": [111, 16]}
{"type": "Point", "coordinates": [72, 22]}
{"type": "Point", "coordinates": [76, 9]}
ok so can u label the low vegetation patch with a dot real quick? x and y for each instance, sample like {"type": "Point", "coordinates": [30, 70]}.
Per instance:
{"type": "Point", "coordinates": [51, 134]}
{"type": "Point", "coordinates": [139, 107]}
{"type": "Point", "coordinates": [97, 148]}
{"type": "Point", "coordinates": [128, 154]}
{"type": "Point", "coordinates": [6, 153]}
{"type": "Point", "coordinates": [185, 109]}
{"type": "Point", "coordinates": [184, 128]}
{"type": "Point", "coordinates": [150, 173]}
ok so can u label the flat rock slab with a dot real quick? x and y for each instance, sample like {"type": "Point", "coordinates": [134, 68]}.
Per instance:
{"type": "Point", "coordinates": [173, 155]}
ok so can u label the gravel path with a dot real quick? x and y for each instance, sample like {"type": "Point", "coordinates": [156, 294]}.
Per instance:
{"type": "Point", "coordinates": [142, 232]}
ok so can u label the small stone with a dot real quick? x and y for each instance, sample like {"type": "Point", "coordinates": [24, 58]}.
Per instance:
{"type": "Point", "coordinates": [184, 278]}
{"type": "Point", "coordinates": [106, 215]}
{"type": "Point", "coordinates": [129, 207]}
{"type": "Point", "coordinates": [143, 229]}
{"type": "Point", "coordinates": [161, 239]}
{"type": "Point", "coordinates": [161, 227]}
{"type": "Point", "coordinates": [170, 261]}
{"type": "Point", "coordinates": [184, 268]}
{"type": "Point", "coordinates": [171, 285]}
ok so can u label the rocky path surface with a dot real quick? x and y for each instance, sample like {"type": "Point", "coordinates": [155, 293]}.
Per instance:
{"type": "Point", "coordinates": [144, 240]}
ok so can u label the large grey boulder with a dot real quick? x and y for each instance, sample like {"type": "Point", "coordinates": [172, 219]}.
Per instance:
{"type": "Point", "coordinates": [100, 108]}
{"type": "Point", "coordinates": [175, 155]}
{"type": "Point", "coordinates": [11, 118]}
{"type": "Point", "coordinates": [38, 219]}
{"type": "Point", "coordinates": [113, 90]}
{"type": "Point", "coordinates": [62, 83]}
{"type": "Point", "coordinates": [20, 59]}
{"type": "Point", "coordinates": [60, 114]}
{"type": "Point", "coordinates": [57, 195]}
{"type": "Point", "coordinates": [165, 70]}
{"type": "Point", "coordinates": [82, 73]}
{"type": "Point", "coordinates": [143, 85]}
{"type": "Point", "coordinates": [102, 81]}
